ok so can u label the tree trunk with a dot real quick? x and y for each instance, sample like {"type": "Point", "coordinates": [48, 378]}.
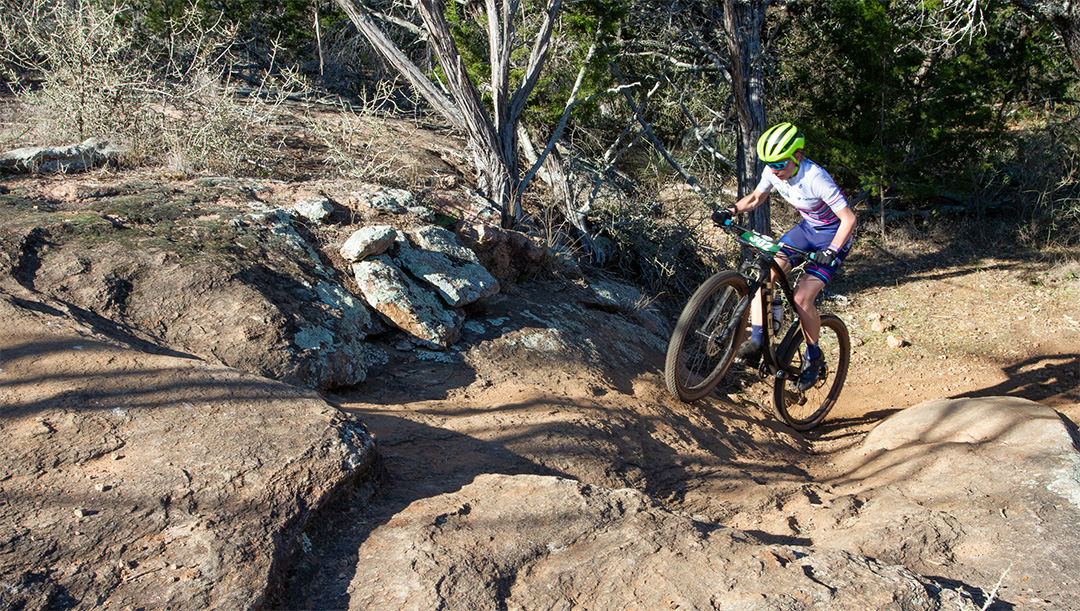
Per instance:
{"type": "Point", "coordinates": [743, 22]}
{"type": "Point", "coordinates": [1064, 16]}
{"type": "Point", "coordinates": [491, 136]}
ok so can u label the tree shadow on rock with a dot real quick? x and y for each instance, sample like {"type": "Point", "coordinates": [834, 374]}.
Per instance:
{"type": "Point", "coordinates": [120, 333]}
{"type": "Point", "coordinates": [1050, 380]}
{"type": "Point", "coordinates": [416, 461]}
{"type": "Point", "coordinates": [978, 596]}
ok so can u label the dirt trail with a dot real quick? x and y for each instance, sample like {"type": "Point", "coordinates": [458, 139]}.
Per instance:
{"type": "Point", "coordinates": [724, 459]}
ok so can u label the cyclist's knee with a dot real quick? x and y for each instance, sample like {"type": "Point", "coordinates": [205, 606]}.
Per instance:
{"type": "Point", "coordinates": [806, 294]}
{"type": "Point", "coordinates": [804, 307]}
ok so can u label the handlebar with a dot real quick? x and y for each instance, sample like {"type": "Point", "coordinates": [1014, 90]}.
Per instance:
{"type": "Point", "coordinates": [759, 241]}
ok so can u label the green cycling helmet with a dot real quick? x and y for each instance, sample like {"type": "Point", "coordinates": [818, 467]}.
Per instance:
{"type": "Point", "coordinates": [779, 142]}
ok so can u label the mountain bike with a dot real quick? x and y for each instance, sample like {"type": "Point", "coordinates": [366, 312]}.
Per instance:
{"type": "Point", "coordinates": [715, 321]}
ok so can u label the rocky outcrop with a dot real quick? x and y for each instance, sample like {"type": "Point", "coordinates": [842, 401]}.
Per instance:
{"type": "Point", "coordinates": [449, 268]}
{"type": "Point", "coordinates": [542, 542]}
{"type": "Point", "coordinates": [418, 281]}
{"type": "Point", "coordinates": [990, 484]}
{"type": "Point", "coordinates": [212, 271]}
{"type": "Point", "coordinates": [406, 303]}
{"type": "Point", "coordinates": [367, 242]}
{"type": "Point", "coordinates": [135, 479]}
{"type": "Point", "coordinates": [279, 312]}
{"type": "Point", "coordinates": [978, 491]}
{"type": "Point", "coordinates": [509, 255]}
{"type": "Point", "coordinates": [92, 153]}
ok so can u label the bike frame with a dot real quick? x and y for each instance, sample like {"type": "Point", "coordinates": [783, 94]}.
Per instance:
{"type": "Point", "coordinates": [757, 276]}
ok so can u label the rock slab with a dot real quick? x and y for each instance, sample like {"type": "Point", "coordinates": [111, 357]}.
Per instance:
{"type": "Point", "coordinates": [975, 489]}
{"type": "Point", "coordinates": [139, 480]}
{"type": "Point", "coordinates": [544, 542]}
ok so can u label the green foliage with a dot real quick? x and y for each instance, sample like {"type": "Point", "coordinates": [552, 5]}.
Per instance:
{"type": "Point", "coordinates": [582, 25]}
{"type": "Point", "coordinates": [889, 110]}
{"type": "Point", "coordinates": [287, 25]}
{"type": "Point", "coordinates": [470, 37]}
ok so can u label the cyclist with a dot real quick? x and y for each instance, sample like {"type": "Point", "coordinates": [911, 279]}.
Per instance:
{"type": "Point", "coordinates": [826, 232]}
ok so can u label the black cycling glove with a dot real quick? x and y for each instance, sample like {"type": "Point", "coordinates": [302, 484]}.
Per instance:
{"type": "Point", "coordinates": [824, 258]}
{"type": "Point", "coordinates": [721, 217]}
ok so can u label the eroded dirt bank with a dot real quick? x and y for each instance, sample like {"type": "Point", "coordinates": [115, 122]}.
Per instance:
{"type": "Point", "coordinates": [951, 496]}
{"type": "Point", "coordinates": [538, 463]}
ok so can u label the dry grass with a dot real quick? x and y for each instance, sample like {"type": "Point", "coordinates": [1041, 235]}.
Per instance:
{"type": "Point", "coordinates": [80, 69]}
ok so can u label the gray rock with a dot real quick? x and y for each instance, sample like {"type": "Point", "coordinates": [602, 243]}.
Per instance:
{"type": "Point", "coordinates": [423, 213]}
{"type": "Point", "coordinates": [91, 153]}
{"type": "Point", "coordinates": [384, 199]}
{"type": "Point", "coordinates": [368, 241]}
{"type": "Point", "coordinates": [611, 296]}
{"type": "Point", "coordinates": [437, 239]}
{"type": "Point", "coordinates": [458, 283]}
{"type": "Point", "coordinates": [412, 308]}
{"type": "Point", "coordinates": [314, 209]}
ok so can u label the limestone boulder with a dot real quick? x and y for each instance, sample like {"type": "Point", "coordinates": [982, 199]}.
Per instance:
{"type": "Point", "coordinates": [410, 306]}
{"type": "Point", "coordinates": [137, 479]}
{"type": "Point", "coordinates": [509, 255]}
{"type": "Point", "coordinates": [443, 241]}
{"type": "Point", "coordinates": [459, 283]}
{"type": "Point", "coordinates": [314, 209]}
{"type": "Point", "coordinates": [368, 241]}
{"type": "Point", "coordinates": [91, 153]}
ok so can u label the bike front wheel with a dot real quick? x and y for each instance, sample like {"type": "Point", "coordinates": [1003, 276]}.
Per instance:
{"type": "Point", "coordinates": [705, 337]}
{"type": "Point", "coordinates": [803, 410]}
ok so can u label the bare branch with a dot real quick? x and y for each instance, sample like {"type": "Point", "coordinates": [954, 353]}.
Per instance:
{"type": "Point", "coordinates": [955, 20]}
{"type": "Point", "coordinates": [537, 57]}
{"type": "Point", "coordinates": [647, 129]}
{"type": "Point", "coordinates": [363, 21]}
{"type": "Point", "coordinates": [561, 126]}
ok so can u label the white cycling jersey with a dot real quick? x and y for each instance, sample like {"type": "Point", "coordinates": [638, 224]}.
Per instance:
{"type": "Point", "coordinates": [811, 191]}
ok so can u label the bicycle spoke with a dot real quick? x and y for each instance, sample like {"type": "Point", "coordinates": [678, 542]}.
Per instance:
{"type": "Point", "coordinates": [806, 409]}
{"type": "Point", "coordinates": [702, 345]}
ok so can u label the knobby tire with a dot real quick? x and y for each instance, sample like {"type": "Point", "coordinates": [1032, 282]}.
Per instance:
{"type": "Point", "coordinates": [804, 410]}
{"type": "Point", "coordinates": [705, 337]}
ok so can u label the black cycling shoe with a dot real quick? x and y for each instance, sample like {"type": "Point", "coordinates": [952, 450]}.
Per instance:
{"type": "Point", "coordinates": [811, 370]}
{"type": "Point", "coordinates": [749, 353]}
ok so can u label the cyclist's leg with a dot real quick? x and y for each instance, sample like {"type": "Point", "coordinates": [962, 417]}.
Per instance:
{"type": "Point", "coordinates": [757, 317]}
{"type": "Point", "coordinates": [815, 279]}
{"type": "Point", "coordinates": [750, 350]}
{"type": "Point", "coordinates": [805, 294]}
{"type": "Point", "coordinates": [808, 238]}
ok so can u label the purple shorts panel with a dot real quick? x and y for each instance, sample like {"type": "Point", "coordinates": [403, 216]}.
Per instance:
{"type": "Point", "coordinates": [808, 238]}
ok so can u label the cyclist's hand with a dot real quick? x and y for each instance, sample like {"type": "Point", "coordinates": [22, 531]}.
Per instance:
{"type": "Point", "coordinates": [721, 217]}
{"type": "Point", "coordinates": [824, 258]}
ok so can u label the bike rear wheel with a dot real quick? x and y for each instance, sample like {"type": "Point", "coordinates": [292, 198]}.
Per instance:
{"type": "Point", "coordinates": [703, 344]}
{"type": "Point", "coordinates": [803, 410]}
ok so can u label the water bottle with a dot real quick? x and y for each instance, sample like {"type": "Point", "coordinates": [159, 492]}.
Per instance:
{"type": "Point", "coordinates": [777, 315]}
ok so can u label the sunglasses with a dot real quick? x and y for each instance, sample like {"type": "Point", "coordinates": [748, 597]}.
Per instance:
{"type": "Point", "coordinates": [777, 165]}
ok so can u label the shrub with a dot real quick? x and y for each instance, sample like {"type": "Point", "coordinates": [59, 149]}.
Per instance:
{"type": "Point", "coordinates": [78, 70]}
